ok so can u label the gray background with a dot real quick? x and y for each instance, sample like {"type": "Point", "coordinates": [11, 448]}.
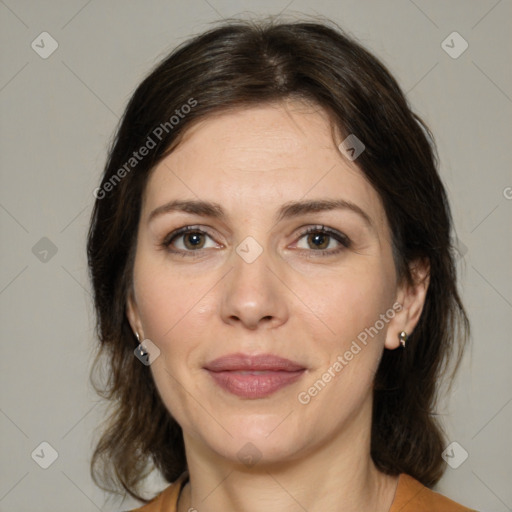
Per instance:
{"type": "Point", "coordinates": [58, 115]}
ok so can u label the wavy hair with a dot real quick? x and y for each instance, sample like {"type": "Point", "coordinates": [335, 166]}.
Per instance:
{"type": "Point", "coordinates": [247, 63]}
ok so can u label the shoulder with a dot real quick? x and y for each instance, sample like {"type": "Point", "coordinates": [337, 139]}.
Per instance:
{"type": "Point", "coordinates": [412, 496]}
{"type": "Point", "coordinates": [167, 499]}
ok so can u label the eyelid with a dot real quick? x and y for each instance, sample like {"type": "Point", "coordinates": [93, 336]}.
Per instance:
{"type": "Point", "coordinates": [340, 237]}
{"type": "Point", "coordinates": [327, 230]}
{"type": "Point", "coordinates": [177, 233]}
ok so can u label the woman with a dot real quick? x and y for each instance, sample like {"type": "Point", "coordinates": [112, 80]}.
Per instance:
{"type": "Point", "coordinates": [270, 251]}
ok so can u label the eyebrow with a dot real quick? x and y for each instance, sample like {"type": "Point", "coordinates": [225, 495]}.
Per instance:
{"type": "Point", "coordinates": [288, 210]}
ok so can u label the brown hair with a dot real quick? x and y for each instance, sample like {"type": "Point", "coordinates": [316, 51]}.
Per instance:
{"type": "Point", "coordinates": [244, 63]}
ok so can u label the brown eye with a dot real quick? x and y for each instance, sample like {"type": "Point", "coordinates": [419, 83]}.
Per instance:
{"type": "Point", "coordinates": [318, 239]}
{"type": "Point", "coordinates": [193, 240]}
{"type": "Point", "coordinates": [186, 240]}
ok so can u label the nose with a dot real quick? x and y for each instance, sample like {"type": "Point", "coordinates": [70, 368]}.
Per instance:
{"type": "Point", "coordinates": [253, 295]}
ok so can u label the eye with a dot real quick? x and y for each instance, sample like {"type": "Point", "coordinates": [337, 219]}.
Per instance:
{"type": "Point", "coordinates": [191, 239]}
{"type": "Point", "coordinates": [321, 238]}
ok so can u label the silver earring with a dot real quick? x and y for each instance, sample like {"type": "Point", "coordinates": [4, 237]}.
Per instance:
{"type": "Point", "coordinates": [402, 336]}
{"type": "Point", "coordinates": [137, 335]}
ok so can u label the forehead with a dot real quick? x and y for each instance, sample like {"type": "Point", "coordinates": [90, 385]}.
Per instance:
{"type": "Point", "coordinates": [253, 158]}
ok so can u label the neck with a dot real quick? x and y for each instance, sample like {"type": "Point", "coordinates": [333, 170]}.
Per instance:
{"type": "Point", "coordinates": [339, 475]}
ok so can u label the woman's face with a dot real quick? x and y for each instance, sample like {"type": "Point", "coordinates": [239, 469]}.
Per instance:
{"type": "Point", "coordinates": [248, 281]}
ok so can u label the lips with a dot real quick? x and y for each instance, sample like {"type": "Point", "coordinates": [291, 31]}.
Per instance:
{"type": "Point", "coordinates": [256, 376]}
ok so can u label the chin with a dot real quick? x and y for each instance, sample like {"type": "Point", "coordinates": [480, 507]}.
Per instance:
{"type": "Point", "coordinates": [254, 451]}
{"type": "Point", "coordinates": [256, 438]}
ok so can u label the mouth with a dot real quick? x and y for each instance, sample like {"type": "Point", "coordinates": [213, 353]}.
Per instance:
{"type": "Point", "coordinates": [254, 377]}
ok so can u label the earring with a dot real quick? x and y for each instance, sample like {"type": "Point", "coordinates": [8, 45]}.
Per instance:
{"type": "Point", "coordinates": [137, 335]}
{"type": "Point", "coordinates": [402, 336]}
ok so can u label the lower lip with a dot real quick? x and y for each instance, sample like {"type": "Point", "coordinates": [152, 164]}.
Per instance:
{"type": "Point", "coordinates": [250, 385]}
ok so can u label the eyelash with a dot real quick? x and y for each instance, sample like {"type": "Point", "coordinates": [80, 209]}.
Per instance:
{"type": "Point", "coordinates": [339, 237]}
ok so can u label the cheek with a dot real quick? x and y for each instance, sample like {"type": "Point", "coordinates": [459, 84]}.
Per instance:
{"type": "Point", "coordinates": [349, 302]}
{"type": "Point", "coordinates": [169, 312]}
{"type": "Point", "coordinates": [351, 353]}
{"type": "Point", "coordinates": [173, 317]}
{"type": "Point", "coordinates": [167, 301]}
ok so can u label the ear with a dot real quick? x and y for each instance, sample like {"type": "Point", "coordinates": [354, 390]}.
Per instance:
{"type": "Point", "coordinates": [132, 313]}
{"type": "Point", "coordinates": [411, 297]}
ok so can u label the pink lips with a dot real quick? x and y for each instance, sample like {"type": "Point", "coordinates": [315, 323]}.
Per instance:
{"type": "Point", "coordinates": [253, 376]}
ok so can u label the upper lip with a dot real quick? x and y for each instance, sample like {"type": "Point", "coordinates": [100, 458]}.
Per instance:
{"type": "Point", "coordinates": [246, 362]}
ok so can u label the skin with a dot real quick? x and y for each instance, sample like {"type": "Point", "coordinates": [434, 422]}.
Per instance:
{"type": "Point", "coordinates": [314, 456]}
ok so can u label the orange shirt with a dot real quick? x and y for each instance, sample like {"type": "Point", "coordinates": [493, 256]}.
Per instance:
{"type": "Point", "coordinates": [410, 496]}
